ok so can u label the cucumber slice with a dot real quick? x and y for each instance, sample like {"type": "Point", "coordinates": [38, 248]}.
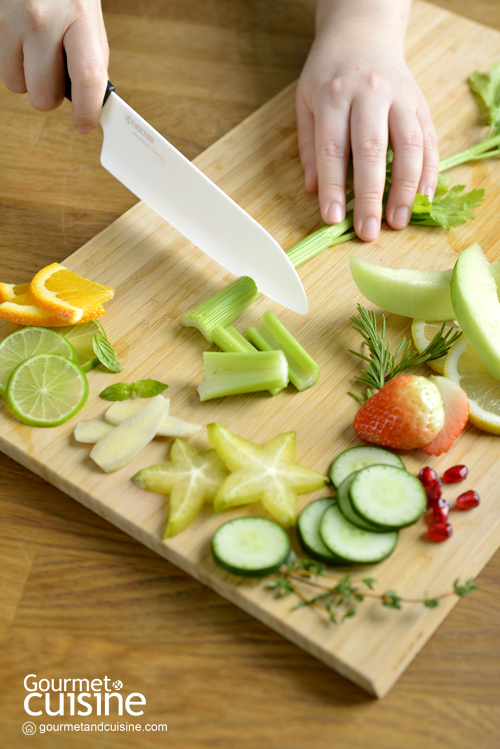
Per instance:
{"type": "Point", "coordinates": [359, 457]}
{"type": "Point", "coordinates": [352, 543]}
{"type": "Point", "coordinates": [348, 511]}
{"type": "Point", "coordinates": [250, 546]}
{"type": "Point", "coordinates": [388, 496]}
{"type": "Point", "coordinates": [308, 531]}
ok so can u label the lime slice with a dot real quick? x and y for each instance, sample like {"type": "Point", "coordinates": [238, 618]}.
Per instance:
{"type": "Point", "coordinates": [80, 337]}
{"type": "Point", "coordinates": [46, 390]}
{"type": "Point", "coordinates": [483, 390]}
{"type": "Point", "coordinates": [423, 332]}
{"type": "Point", "coordinates": [21, 344]}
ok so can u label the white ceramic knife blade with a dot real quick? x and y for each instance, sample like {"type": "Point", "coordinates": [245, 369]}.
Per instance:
{"type": "Point", "coordinates": [150, 167]}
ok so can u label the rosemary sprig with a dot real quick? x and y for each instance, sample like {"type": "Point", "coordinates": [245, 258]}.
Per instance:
{"type": "Point", "coordinates": [339, 597]}
{"type": "Point", "coordinates": [382, 364]}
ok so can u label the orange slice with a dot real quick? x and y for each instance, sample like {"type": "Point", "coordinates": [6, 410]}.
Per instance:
{"type": "Point", "coordinates": [21, 310]}
{"type": "Point", "coordinates": [66, 295]}
{"type": "Point", "coordinates": [9, 291]}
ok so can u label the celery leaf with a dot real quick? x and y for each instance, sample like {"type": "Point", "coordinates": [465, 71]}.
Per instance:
{"type": "Point", "coordinates": [453, 208]}
{"type": "Point", "coordinates": [487, 89]}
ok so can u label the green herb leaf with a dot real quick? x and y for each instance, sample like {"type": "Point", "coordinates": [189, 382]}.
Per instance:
{"type": "Point", "coordinates": [120, 391]}
{"type": "Point", "coordinates": [451, 208]}
{"type": "Point", "coordinates": [391, 600]}
{"type": "Point", "coordinates": [463, 590]}
{"type": "Point", "coordinates": [369, 582]}
{"type": "Point", "coordinates": [487, 89]}
{"type": "Point", "coordinates": [431, 603]}
{"type": "Point", "coordinates": [281, 586]}
{"type": "Point", "coordinates": [310, 565]}
{"type": "Point", "coordinates": [106, 353]}
{"type": "Point", "coordinates": [148, 388]}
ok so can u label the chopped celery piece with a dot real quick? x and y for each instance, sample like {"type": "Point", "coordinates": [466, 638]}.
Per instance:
{"type": "Point", "coordinates": [270, 335]}
{"type": "Point", "coordinates": [327, 236]}
{"type": "Point", "coordinates": [268, 473]}
{"type": "Point", "coordinates": [234, 373]}
{"type": "Point", "coordinates": [191, 478]}
{"type": "Point", "coordinates": [223, 307]}
{"type": "Point", "coordinates": [229, 340]}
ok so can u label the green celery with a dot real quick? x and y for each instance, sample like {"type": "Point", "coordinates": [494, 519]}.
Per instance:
{"type": "Point", "coordinates": [271, 334]}
{"type": "Point", "coordinates": [234, 373]}
{"type": "Point", "coordinates": [223, 307]}
{"type": "Point", "coordinates": [229, 340]}
{"type": "Point", "coordinates": [327, 236]}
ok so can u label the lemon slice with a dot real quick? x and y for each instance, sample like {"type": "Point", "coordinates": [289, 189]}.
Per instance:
{"type": "Point", "coordinates": [80, 336]}
{"type": "Point", "coordinates": [483, 390]}
{"type": "Point", "coordinates": [423, 332]}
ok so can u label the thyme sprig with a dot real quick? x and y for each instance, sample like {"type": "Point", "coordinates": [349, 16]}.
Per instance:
{"type": "Point", "coordinates": [339, 597]}
{"type": "Point", "coordinates": [382, 364]}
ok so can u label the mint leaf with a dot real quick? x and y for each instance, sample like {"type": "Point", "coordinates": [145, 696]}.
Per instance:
{"type": "Point", "coordinates": [106, 353]}
{"type": "Point", "coordinates": [148, 388]}
{"type": "Point", "coordinates": [120, 391]}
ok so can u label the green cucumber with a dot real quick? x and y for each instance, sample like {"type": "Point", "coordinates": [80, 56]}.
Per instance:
{"type": "Point", "coordinates": [352, 543]}
{"type": "Point", "coordinates": [387, 496]}
{"type": "Point", "coordinates": [348, 511]}
{"type": "Point", "coordinates": [250, 546]}
{"type": "Point", "coordinates": [358, 457]}
{"type": "Point", "coordinates": [308, 531]}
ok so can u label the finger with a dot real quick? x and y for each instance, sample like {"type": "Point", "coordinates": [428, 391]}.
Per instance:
{"type": "Point", "coordinates": [44, 72]}
{"type": "Point", "coordinates": [369, 138]}
{"type": "Point", "coordinates": [88, 72]}
{"type": "Point", "coordinates": [305, 133]}
{"type": "Point", "coordinates": [104, 39]}
{"type": "Point", "coordinates": [407, 142]}
{"type": "Point", "coordinates": [332, 155]}
{"type": "Point", "coordinates": [11, 65]}
{"type": "Point", "coordinates": [430, 166]}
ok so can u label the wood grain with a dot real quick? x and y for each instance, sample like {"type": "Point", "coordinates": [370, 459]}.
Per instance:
{"type": "Point", "coordinates": [96, 601]}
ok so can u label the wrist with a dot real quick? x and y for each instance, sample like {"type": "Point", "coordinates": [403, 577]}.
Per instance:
{"type": "Point", "coordinates": [363, 22]}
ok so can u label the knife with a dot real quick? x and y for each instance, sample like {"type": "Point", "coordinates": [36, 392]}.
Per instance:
{"type": "Point", "coordinates": [150, 167]}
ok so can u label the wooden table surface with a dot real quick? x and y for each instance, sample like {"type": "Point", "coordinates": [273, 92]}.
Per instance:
{"type": "Point", "coordinates": [80, 599]}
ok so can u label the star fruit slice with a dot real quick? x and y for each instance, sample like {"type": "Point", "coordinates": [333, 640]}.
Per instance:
{"type": "Point", "coordinates": [269, 473]}
{"type": "Point", "coordinates": [191, 478]}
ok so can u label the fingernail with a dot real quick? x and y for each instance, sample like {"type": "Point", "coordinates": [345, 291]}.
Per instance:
{"type": "Point", "coordinates": [369, 229]}
{"type": "Point", "coordinates": [84, 129]}
{"type": "Point", "coordinates": [430, 193]}
{"type": "Point", "coordinates": [335, 213]}
{"type": "Point", "coordinates": [402, 216]}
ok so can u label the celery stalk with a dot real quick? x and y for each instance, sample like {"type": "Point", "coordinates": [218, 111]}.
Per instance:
{"type": "Point", "coordinates": [271, 334]}
{"type": "Point", "coordinates": [223, 307]}
{"type": "Point", "coordinates": [234, 373]}
{"type": "Point", "coordinates": [327, 236]}
{"type": "Point", "coordinates": [229, 340]}
{"type": "Point", "coordinates": [263, 342]}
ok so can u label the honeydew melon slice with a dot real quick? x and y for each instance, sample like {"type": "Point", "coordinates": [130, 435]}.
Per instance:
{"type": "Point", "coordinates": [424, 295]}
{"type": "Point", "coordinates": [476, 306]}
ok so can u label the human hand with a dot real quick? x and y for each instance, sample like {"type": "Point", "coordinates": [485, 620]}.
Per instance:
{"type": "Point", "coordinates": [356, 92]}
{"type": "Point", "coordinates": [34, 34]}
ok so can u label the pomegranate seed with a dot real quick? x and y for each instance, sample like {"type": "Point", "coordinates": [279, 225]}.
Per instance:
{"type": "Point", "coordinates": [433, 492]}
{"type": "Point", "coordinates": [440, 511]}
{"type": "Point", "coordinates": [427, 476]}
{"type": "Point", "coordinates": [468, 500]}
{"type": "Point", "coordinates": [440, 531]}
{"type": "Point", "coordinates": [455, 474]}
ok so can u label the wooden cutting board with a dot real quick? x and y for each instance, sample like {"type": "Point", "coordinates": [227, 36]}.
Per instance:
{"type": "Point", "coordinates": [158, 275]}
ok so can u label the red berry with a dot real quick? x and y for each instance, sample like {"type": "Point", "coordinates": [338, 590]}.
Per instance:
{"type": "Point", "coordinates": [440, 531]}
{"type": "Point", "coordinates": [433, 492]}
{"type": "Point", "coordinates": [455, 474]}
{"type": "Point", "coordinates": [440, 511]}
{"type": "Point", "coordinates": [427, 475]}
{"type": "Point", "coordinates": [468, 500]}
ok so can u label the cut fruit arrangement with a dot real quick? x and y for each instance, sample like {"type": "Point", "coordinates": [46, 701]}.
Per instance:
{"type": "Point", "coordinates": [467, 296]}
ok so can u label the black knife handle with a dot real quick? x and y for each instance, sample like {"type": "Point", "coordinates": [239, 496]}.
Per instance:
{"type": "Point", "coordinates": [67, 85]}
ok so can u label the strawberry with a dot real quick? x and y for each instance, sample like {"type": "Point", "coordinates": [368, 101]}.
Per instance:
{"type": "Point", "coordinates": [456, 412]}
{"type": "Point", "coordinates": [406, 413]}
